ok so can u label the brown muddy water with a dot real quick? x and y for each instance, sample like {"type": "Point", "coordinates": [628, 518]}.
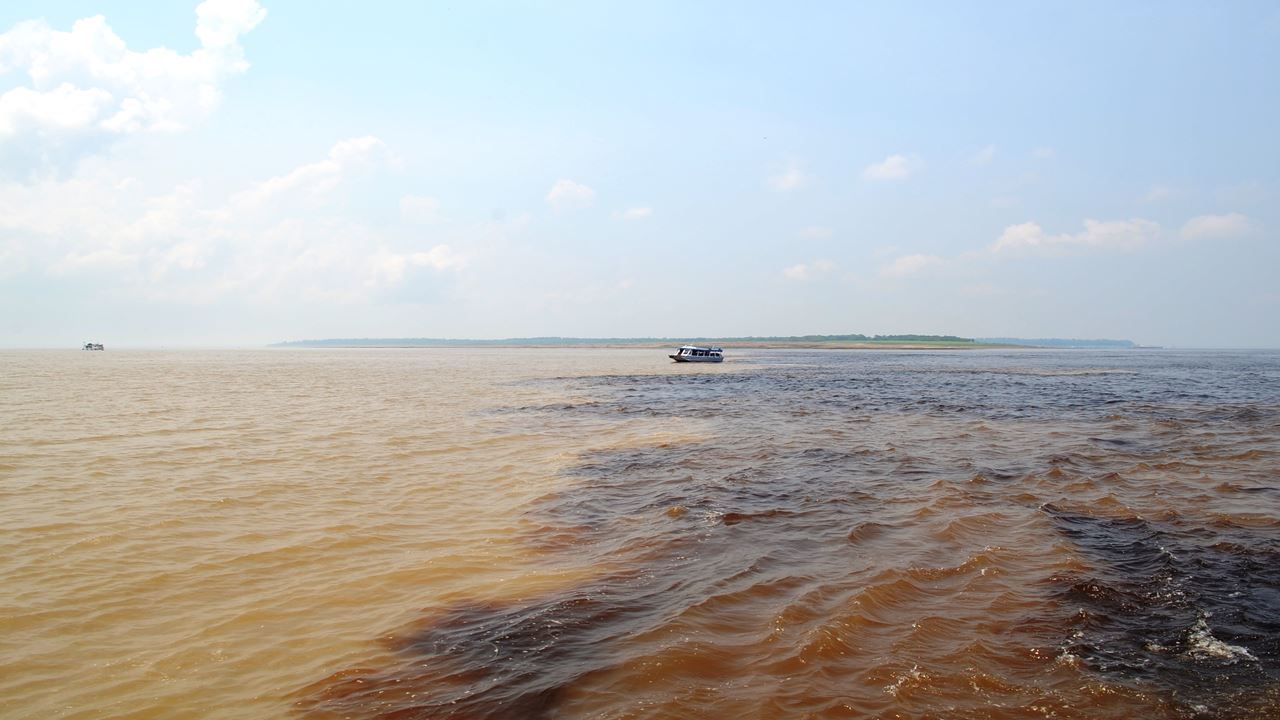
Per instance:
{"type": "Point", "coordinates": [524, 534]}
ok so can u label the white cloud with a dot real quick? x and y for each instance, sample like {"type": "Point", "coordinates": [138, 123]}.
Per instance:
{"type": "Point", "coordinates": [790, 179]}
{"type": "Point", "coordinates": [985, 155]}
{"type": "Point", "coordinates": [1158, 193]}
{"type": "Point", "coordinates": [1119, 234]}
{"type": "Point", "coordinates": [567, 194]}
{"type": "Point", "coordinates": [894, 167]}
{"type": "Point", "coordinates": [816, 232]}
{"type": "Point", "coordinates": [388, 269]}
{"type": "Point", "coordinates": [65, 107]}
{"type": "Point", "coordinates": [637, 213]}
{"type": "Point", "coordinates": [803, 271]}
{"type": "Point", "coordinates": [319, 177]}
{"type": "Point", "coordinates": [419, 208]}
{"type": "Point", "coordinates": [86, 85]}
{"type": "Point", "coordinates": [1217, 227]}
{"type": "Point", "coordinates": [440, 257]}
{"type": "Point", "coordinates": [1044, 152]}
{"type": "Point", "coordinates": [220, 23]}
{"type": "Point", "coordinates": [192, 246]}
{"type": "Point", "coordinates": [908, 265]}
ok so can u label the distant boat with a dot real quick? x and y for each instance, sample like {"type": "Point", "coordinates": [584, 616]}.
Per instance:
{"type": "Point", "coordinates": [94, 346]}
{"type": "Point", "coordinates": [693, 353]}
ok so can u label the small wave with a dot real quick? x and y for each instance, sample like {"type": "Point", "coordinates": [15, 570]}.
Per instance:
{"type": "Point", "coordinates": [985, 563]}
{"type": "Point", "coordinates": [905, 680]}
{"type": "Point", "coordinates": [733, 518]}
{"type": "Point", "coordinates": [1202, 645]}
{"type": "Point", "coordinates": [867, 531]}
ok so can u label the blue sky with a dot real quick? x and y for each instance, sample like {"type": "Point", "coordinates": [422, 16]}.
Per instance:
{"type": "Point", "coordinates": [241, 172]}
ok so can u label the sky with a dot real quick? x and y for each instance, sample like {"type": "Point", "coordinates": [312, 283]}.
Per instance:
{"type": "Point", "coordinates": [237, 172]}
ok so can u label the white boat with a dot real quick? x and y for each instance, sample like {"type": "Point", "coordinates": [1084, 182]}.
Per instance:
{"type": "Point", "coordinates": [93, 346]}
{"type": "Point", "coordinates": [693, 353]}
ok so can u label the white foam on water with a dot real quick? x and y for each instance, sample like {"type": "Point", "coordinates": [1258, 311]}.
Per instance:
{"type": "Point", "coordinates": [1203, 645]}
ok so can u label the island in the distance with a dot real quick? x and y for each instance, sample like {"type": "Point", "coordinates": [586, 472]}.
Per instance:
{"type": "Point", "coordinates": [851, 341]}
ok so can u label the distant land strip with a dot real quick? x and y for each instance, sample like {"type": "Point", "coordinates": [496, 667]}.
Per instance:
{"type": "Point", "coordinates": [852, 341]}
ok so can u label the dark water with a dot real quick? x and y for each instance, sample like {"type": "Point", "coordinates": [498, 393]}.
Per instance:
{"type": "Point", "coordinates": [882, 534]}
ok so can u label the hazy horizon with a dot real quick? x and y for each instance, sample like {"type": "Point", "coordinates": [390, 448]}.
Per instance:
{"type": "Point", "coordinates": [236, 173]}
{"type": "Point", "coordinates": [298, 344]}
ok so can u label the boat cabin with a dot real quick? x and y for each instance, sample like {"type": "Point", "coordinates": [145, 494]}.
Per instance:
{"type": "Point", "coordinates": [693, 353]}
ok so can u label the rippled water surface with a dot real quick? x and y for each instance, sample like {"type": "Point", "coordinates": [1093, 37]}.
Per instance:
{"type": "Point", "coordinates": [603, 534]}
